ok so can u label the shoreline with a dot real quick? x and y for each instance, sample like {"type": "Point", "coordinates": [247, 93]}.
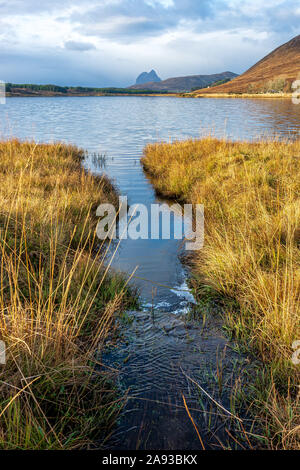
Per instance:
{"type": "Point", "coordinates": [245, 95]}
{"type": "Point", "coordinates": [100, 95]}
{"type": "Point", "coordinates": [190, 95]}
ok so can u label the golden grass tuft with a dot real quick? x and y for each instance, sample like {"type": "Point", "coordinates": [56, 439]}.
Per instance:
{"type": "Point", "coordinates": [57, 300]}
{"type": "Point", "coordinates": [251, 194]}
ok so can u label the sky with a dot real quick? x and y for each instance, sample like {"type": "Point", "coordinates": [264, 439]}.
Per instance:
{"type": "Point", "coordinates": [110, 42]}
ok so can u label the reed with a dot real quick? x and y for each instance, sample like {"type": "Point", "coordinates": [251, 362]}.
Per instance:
{"type": "Point", "coordinates": [251, 257]}
{"type": "Point", "coordinates": [58, 301]}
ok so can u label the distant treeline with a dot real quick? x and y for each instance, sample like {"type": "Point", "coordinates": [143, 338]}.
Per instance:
{"type": "Point", "coordinates": [78, 89]}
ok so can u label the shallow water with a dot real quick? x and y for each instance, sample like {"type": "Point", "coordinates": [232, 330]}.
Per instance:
{"type": "Point", "coordinates": [159, 356]}
{"type": "Point", "coordinates": [153, 356]}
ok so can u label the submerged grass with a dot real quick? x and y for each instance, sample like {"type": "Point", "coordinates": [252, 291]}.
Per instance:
{"type": "Point", "coordinates": [58, 302]}
{"type": "Point", "coordinates": [251, 255]}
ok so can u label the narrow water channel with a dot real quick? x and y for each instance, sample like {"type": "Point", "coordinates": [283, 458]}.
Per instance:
{"type": "Point", "coordinates": [161, 350]}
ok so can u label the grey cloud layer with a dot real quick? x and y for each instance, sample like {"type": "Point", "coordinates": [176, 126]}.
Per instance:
{"type": "Point", "coordinates": [106, 35]}
{"type": "Point", "coordinates": [223, 14]}
{"type": "Point", "coordinates": [205, 15]}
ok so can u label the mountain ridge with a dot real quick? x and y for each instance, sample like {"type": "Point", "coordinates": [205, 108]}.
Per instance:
{"type": "Point", "coordinates": [185, 83]}
{"type": "Point", "coordinates": [274, 73]}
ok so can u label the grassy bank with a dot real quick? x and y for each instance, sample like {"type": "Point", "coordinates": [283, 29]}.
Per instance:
{"type": "Point", "coordinates": [251, 257]}
{"type": "Point", "coordinates": [240, 95]}
{"type": "Point", "coordinates": [58, 303]}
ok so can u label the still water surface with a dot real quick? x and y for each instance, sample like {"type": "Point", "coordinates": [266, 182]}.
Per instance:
{"type": "Point", "coordinates": [120, 127]}
{"type": "Point", "coordinates": [159, 345]}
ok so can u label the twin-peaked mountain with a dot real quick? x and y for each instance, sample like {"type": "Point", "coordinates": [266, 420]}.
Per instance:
{"type": "Point", "coordinates": [146, 77]}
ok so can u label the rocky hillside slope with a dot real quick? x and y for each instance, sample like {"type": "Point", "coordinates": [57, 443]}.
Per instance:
{"type": "Point", "coordinates": [273, 74]}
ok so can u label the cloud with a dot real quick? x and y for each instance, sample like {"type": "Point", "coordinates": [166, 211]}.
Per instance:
{"type": "Point", "coordinates": [79, 46]}
{"type": "Point", "coordinates": [124, 37]}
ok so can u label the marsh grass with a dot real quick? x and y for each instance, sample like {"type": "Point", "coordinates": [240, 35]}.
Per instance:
{"type": "Point", "coordinates": [251, 257]}
{"type": "Point", "coordinates": [58, 301]}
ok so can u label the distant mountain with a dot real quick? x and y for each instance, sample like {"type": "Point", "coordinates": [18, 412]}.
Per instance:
{"type": "Point", "coordinates": [274, 73]}
{"type": "Point", "coordinates": [146, 77]}
{"type": "Point", "coordinates": [182, 84]}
